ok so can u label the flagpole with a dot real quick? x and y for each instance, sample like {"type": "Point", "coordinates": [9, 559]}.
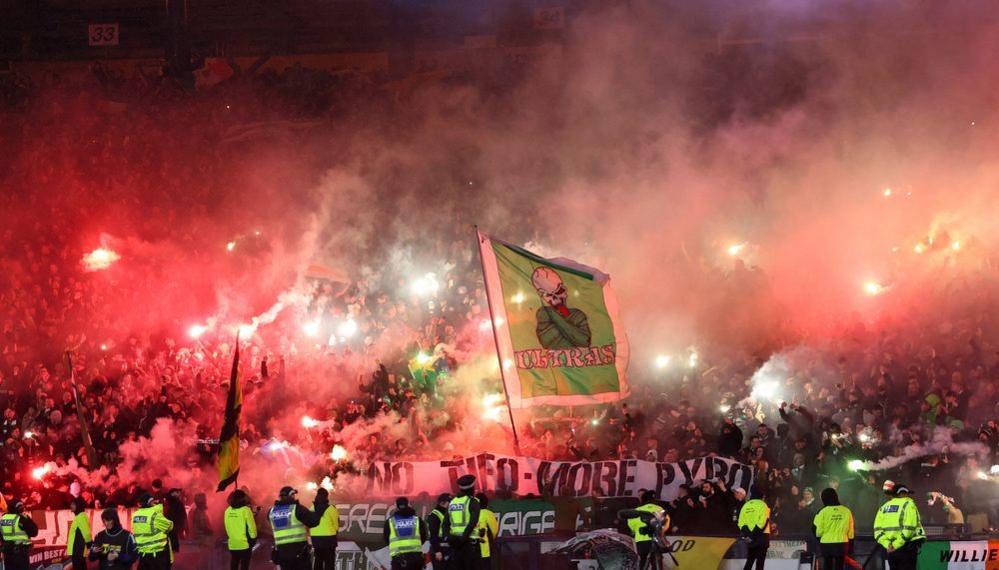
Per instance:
{"type": "Point", "coordinates": [492, 322]}
{"type": "Point", "coordinates": [88, 443]}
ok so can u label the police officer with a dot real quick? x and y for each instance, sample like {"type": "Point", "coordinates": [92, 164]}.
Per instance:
{"type": "Point", "coordinates": [640, 529]}
{"type": "Point", "coordinates": [440, 553]}
{"type": "Point", "coordinates": [486, 530]}
{"type": "Point", "coordinates": [898, 528]}
{"type": "Point", "coordinates": [289, 520]}
{"type": "Point", "coordinates": [240, 529]}
{"type": "Point", "coordinates": [150, 527]}
{"type": "Point", "coordinates": [833, 526]}
{"type": "Point", "coordinates": [405, 532]}
{"type": "Point", "coordinates": [16, 531]}
{"type": "Point", "coordinates": [324, 534]}
{"type": "Point", "coordinates": [463, 517]}
{"type": "Point", "coordinates": [79, 538]}
{"type": "Point", "coordinates": [754, 526]}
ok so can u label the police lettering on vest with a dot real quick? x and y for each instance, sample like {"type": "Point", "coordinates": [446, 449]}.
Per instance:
{"type": "Point", "coordinates": [458, 514]}
{"type": "Point", "coordinates": [404, 535]}
{"type": "Point", "coordinates": [149, 539]}
{"type": "Point", "coordinates": [287, 528]}
{"type": "Point", "coordinates": [11, 531]}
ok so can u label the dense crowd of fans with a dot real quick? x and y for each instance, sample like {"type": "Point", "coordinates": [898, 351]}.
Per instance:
{"type": "Point", "coordinates": [923, 389]}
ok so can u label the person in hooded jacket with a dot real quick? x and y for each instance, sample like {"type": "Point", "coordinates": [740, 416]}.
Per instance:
{"type": "Point", "coordinates": [833, 526]}
{"type": "Point", "coordinates": [324, 534]}
{"type": "Point", "coordinates": [114, 547]}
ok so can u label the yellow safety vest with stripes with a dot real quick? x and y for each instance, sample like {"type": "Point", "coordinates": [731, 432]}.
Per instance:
{"type": "Point", "coordinates": [897, 523]}
{"type": "Point", "coordinates": [287, 528]}
{"type": "Point", "coordinates": [149, 526]}
{"type": "Point", "coordinates": [404, 535]}
{"type": "Point", "coordinates": [11, 531]}
{"type": "Point", "coordinates": [459, 514]}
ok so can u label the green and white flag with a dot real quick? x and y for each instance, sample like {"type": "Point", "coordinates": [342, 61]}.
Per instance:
{"type": "Point", "coordinates": [559, 336]}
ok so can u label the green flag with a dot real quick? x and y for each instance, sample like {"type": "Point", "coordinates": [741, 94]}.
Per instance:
{"type": "Point", "coordinates": [560, 339]}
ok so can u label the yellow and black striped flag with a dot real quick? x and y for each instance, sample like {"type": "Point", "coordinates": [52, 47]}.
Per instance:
{"type": "Point", "coordinates": [228, 462]}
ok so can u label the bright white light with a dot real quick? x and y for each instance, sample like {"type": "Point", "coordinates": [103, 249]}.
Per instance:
{"type": "Point", "coordinates": [864, 438]}
{"type": "Point", "coordinates": [766, 389]}
{"type": "Point", "coordinates": [920, 248]}
{"type": "Point", "coordinates": [327, 483]}
{"type": "Point", "coordinates": [982, 475]}
{"type": "Point", "coordinates": [308, 422]}
{"type": "Point", "coordinates": [104, 347]}
{"type": "Point", "coordinates": [724, 408]}
{"type": "Point", "coordinates": [29, 434]}
{"type": "Point", "coordinates": [230, 246]}
{"type": "Point", "coordinates": [100, 258]}
{"type": "Point", "coordinates": [39, 472]}
{"type": "Point", "coordinates": [426, 285]}
{"type": "Point", "coordinates": [423, 359]}
{"type": "Point", "coordinates": [595, 422]}
{"type": "Point", "coordinates": [873, 288]}
{"type": "Point", "coordinates": [196, 331]}
{"type": "Point", "coordinates": [276, 445]}
{"type": "Point", "coordinates": [246, 331]}
{"type": "Point", "coordinates": [311, 328]}
{"type": "Point", "coordinates": [492, 404]}
{"type": "Point", "coordinates": [956, 245]}
{"type": "Point", "coordinates": [347, 328]}
{"type": "Point", "coordinates": [994, 470]}
{"type": "Point", "coordinates": [311, 486]}
{"type": "Point", "coordinates": [736, 249]}
{"type": "Point", "coordinates": [507, 363]}
{"type": "Point", "coordinates": [338, 453]}
{"type": "Point", "coordinates": [887, 192]}
{"type": "Point", "coordinates": [662, 361]}
{"type": "Point", "coordinates": [518, 298]}
{"type": "Point", "coordinates": [692, 360]}
{"type": "Point", "coordinates": [499, 321]}
{"type": "Point", "coordinates": [855, 465]}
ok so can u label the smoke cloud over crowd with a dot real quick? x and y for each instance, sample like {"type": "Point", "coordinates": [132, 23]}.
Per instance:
{"type": "Point", "coordinates": [760, 184]}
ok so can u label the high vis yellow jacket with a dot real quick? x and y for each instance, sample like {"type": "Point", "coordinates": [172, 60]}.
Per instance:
{"type": "Point", "coordinates": [150, 527]}
{"type": "Point", "coordinates": [329, 523]}
{"type": "Point", "coordinates": [81, 522]}
{"type": "Point", "coordinates": [488, 527]}
{"type": "Point", "coordinates": [11, 531]}
{"type": "Point", "coordinates": [898, 523]}
{"type": "Point", "coordinates": [834, 524]}
{"type": "Point", "coordinates": [638, 527]}
{"type": "Point", "coordinates": [240, 527]}
{"type": "Point", "coordinates": [755, 514]}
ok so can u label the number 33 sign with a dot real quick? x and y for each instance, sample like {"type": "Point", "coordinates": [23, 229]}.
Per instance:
{"type": "Point", "coordinates": [102, 35]}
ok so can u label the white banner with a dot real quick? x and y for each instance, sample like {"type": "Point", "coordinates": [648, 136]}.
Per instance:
{"type": "Point", "coordinates": [527, 475]}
